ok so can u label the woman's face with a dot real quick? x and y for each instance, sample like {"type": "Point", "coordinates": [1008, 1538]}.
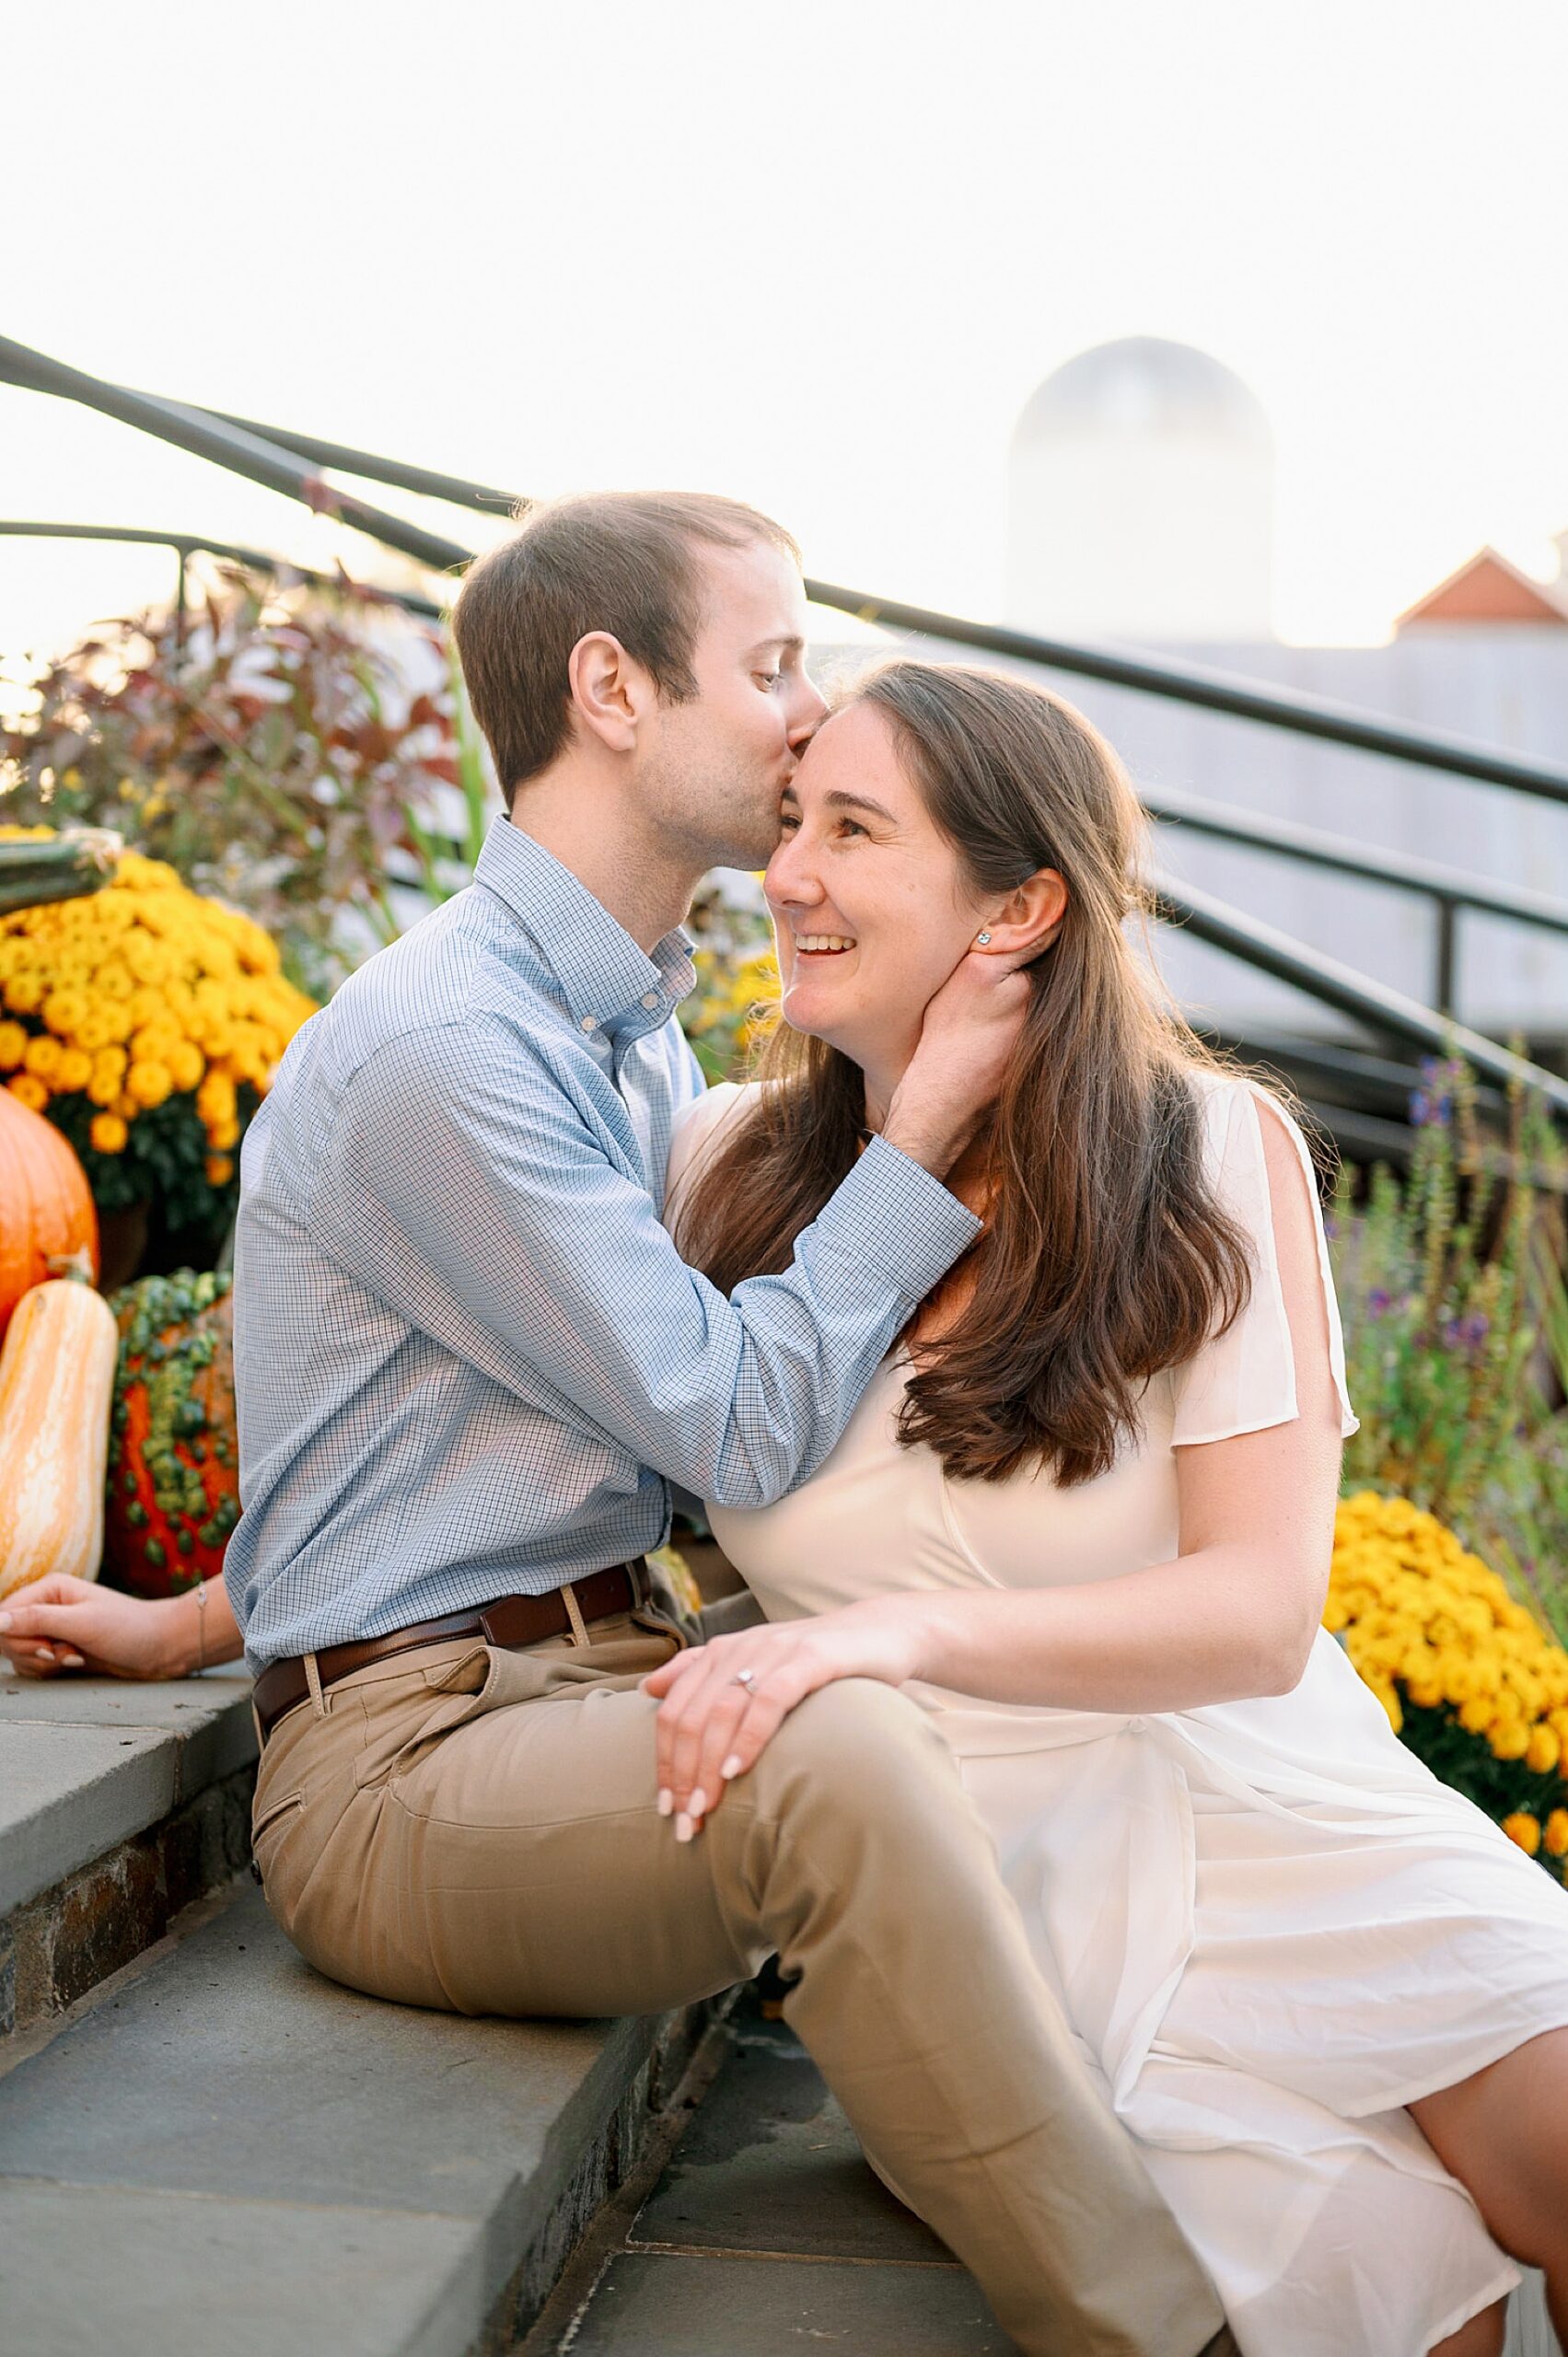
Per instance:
{"type": "Point", "coordinates": [870, 902]}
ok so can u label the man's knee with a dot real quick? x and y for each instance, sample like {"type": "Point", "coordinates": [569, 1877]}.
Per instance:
{"type": "Point", "coordinates": [867, 1745]}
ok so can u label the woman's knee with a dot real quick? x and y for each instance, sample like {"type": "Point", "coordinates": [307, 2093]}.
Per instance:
{"type": "Point", "coordinates": [1503, 2133]}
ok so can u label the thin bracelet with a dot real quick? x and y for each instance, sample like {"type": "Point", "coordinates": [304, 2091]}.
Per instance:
{"type": "Point", "coordinates": [202, 1625]}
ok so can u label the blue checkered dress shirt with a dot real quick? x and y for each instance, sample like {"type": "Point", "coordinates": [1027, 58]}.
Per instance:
{"type": "Point", "coordinates": [466, 1354]}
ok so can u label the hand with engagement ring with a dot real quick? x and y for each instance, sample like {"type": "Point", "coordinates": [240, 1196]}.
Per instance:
{"type": "Point", "coordinates": [719, 1704]}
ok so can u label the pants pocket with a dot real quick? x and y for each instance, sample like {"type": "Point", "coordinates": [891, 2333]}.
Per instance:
{"type": "Point", "coordinates": [404, 1719]}
{"type": "Point", "coordinates": [268, 1830]}
{"type": "Point", "coordinates": [275, 1811]}
{"type": "Point", "coordinates": [403, 1728]}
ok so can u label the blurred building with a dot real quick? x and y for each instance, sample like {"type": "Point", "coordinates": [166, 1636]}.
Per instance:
{"type": "Point", "coordinates": [1140, 487]}
{"type": "Point", "coordinates": [1139, 499]}
{"type": "Point", "coordinates": [1487, 588]}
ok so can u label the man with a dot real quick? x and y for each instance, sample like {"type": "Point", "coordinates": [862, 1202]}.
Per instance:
{"type": "Point", "coordinates": [468, 1361]}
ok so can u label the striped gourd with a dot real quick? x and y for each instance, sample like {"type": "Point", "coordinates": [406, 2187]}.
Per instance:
{"type": "Point", "coordinates": [36, 865]}
{"type": "Point", "coordinates": [56, 1380]}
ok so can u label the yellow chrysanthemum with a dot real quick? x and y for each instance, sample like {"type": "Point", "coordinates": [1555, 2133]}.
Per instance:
{"type": "Point", "coordinates": [92, 1033]}
{"type": "Point", "coordinates": [1554, 1833]}
{"type": "Point", "coordinates": [216, 1099]}
{"type": "Point", "coordinates": [141, 986]}
{"type": "Point", "coordinates": [1430, 1625]}
{"type": "Point", "coordinates": [149, 1082]}
{"type": "Point", "coordinates": [109, 1133]}
{"type": "Point", "coordinates": [63, 1009]}
{"type": "Point", "coordinates": [1544, 1751]}
{"type": "Point", "coordinates": [1525, 1829]}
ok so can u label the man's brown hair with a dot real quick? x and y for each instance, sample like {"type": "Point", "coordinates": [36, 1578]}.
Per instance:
{"type": "Point", "coordinates": [621, 562]}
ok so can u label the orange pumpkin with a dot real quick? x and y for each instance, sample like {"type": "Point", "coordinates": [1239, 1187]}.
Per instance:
{"type": "Point", "coordinates": [173, 1488]}
{"type": "Point", "coordinates": [46, 1205]}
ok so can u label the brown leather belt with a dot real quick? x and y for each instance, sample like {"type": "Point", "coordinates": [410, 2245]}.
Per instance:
{"type": "Point", "coordinates": [511, 1622]}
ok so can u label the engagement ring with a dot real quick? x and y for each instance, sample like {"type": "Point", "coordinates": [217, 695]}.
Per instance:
{"type": "Point", "coordinates": [747, 1678]}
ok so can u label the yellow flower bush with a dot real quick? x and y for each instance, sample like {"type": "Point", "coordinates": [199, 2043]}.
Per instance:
{"type": "Point", "coordinates": [1469, 1679]}
{"type": "Point", "coordinates": [733, 1006]}
{"type": "Point", "coordinates": [145, 1022]}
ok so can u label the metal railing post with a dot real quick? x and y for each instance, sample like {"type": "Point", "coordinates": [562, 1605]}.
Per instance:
{"type": "Point", "coordinates": [1443, 997]}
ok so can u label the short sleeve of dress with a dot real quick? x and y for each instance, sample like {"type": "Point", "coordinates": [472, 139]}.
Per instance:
{"type": "Point", "coordinates": [698, 1129]}
{"type": "Point", "coordinates": [1243, 1380]}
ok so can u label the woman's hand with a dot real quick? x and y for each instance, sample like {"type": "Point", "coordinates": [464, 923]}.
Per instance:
{"type": "Point", "coordinates": [64, 1623]}
{"type": "Point", "coordinates": [711, 1726]}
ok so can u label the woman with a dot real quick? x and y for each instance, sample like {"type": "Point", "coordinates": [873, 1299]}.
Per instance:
{"type": "Point", "coordinates": [1084, 1513]}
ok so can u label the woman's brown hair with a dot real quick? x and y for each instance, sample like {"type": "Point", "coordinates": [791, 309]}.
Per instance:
{"type": "Point", "coordinates": [1106, 1256]}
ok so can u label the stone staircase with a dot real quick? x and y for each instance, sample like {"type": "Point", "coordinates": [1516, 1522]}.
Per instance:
{"type": "Point", "coordinates": [202, 2143]}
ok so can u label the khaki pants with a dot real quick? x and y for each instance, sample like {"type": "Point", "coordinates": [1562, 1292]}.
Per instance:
{"type": "Point", "coordinates": [476, 1830]}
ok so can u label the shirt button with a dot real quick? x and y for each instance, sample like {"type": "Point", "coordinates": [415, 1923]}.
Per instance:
{"type": "Point", "coordinates": [590, 1023]}
{"type": "Point", "coordinates": [650, 1000]}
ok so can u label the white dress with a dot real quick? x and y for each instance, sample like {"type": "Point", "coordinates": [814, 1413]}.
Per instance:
{"type": "Point", "coordinates": [1270, 1926]}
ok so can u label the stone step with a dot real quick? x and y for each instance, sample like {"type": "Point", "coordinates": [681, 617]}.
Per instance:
{"type": "Point", "coordinates": [219, 2148]}
{"type": "Point", "coordinates": [766, 2227]}
{"type": "Point", "coordinates": [120, 1803]}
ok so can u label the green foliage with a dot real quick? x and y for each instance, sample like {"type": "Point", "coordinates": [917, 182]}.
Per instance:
{"type": "Point", "coordinates": [1456, 1314]}
{"type": "Point", "coordinates": [164, 1162]}
{"type": "Point", "coordinates": [294, 754]}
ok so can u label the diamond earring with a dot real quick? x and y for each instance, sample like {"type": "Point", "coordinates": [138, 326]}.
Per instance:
{"type": "Point", "coordinates": [980, 939]}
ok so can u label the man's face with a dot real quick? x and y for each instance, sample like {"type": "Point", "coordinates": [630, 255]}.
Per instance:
{"type": "Point", "coordinates": [717, 764]}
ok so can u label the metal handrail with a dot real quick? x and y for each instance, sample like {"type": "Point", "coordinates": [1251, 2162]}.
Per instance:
{"type": "Point", "coordinates": [189, 544]}
{"type": "Point", "coordinates": [1176, 682]}
{"type": "Point", "coordinates": [457, 490]}
{"type": "Point", "coordinates": [207, 436]}
{"type": "Point", "coordinates": [1451, 889]}
{"type": "Point", "coordinates": [1340, 986]}
{"type": "Point", "coordinates": [1316, 848]}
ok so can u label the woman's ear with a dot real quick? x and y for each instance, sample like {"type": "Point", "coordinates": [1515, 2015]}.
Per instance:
{"type": "Point", "coordinates": [610, 691]}
{"type": "Point", "coordinates": [1030, 919]}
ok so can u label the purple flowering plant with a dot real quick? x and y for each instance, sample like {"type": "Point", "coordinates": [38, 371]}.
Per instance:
{"type": "Point", "coordinates": [1456, 1320]}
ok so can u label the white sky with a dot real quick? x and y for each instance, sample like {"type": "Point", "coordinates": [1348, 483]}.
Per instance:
{"type": "Point", "coordinates": [815, 256]}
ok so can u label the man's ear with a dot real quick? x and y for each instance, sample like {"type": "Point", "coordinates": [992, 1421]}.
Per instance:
{"type": "Point", "coordinates": [611, 691]}
{"type": "Point", "coordinates": [1030, 919]}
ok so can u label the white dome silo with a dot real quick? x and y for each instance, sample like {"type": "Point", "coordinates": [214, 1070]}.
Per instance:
{"type": "Point", "coordinates": [1139, 499]}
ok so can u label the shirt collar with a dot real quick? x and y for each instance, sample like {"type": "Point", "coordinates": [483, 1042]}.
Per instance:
{"type": "Point", "coordinates": [611, 988]}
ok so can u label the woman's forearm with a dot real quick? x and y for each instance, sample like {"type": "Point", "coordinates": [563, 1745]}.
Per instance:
{"type": "Point", "coordinates": [201, 1628]}
{"type": "Point", "coordinates": [1215, 1626]}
